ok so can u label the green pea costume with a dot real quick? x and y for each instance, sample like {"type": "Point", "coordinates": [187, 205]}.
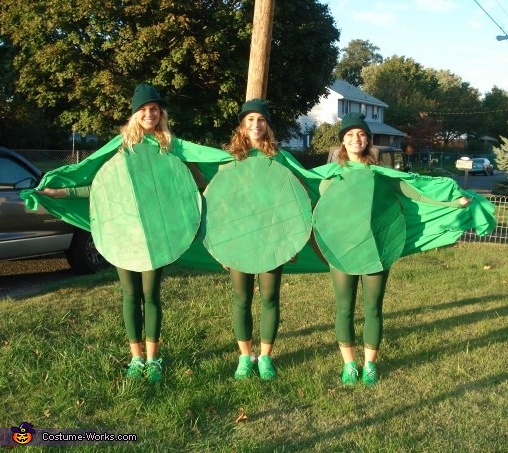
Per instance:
{"type": "Point", "coordinates": [427, 226]}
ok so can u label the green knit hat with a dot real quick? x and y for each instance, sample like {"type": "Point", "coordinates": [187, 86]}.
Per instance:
{"type": "Point", "coordinates": [256, 105]}
{"type": "Point", "coordinates": [353, 120]}
{"type": "Point", "coordinates": [143, 94]}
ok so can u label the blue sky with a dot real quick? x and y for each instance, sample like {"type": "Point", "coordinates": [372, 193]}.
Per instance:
{"type": "Point", "coordinates": [457, 35]}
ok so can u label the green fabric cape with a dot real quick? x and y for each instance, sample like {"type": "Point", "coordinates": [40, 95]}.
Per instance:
{"type": "Point", "coordinates": [427, 226]}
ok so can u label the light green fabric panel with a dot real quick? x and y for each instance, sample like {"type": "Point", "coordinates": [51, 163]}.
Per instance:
{"type": "Point", "coordinates": [257, 215]}
{"type": "Point", "coordinates": [358, 223]}
{"type": "Point", "coordinates": [145, 209]}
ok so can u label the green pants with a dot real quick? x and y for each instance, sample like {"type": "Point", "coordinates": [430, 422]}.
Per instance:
{"type": "Point", "coordinates": [345, 288]}
{"type": "Point", "coordinates": [243, 294]}
{"type": "Point", "coordinates": [141, 300]}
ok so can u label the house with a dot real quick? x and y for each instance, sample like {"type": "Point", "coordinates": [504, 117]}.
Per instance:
{"type": "Point", "coordinates": [343, 98]}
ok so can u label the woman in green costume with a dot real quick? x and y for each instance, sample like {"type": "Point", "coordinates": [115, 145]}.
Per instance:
{"type": "Point", "coordinates": [356, 141]}
{"type": "Point", "coordinates": [140, 289]}
{"type": "Point", "coordinates": [255, 132]}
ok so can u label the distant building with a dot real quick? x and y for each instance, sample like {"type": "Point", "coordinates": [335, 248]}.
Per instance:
{"type": "Point", "coordinates": [343, 98]}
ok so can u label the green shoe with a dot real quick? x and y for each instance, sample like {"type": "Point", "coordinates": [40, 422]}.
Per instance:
{"type": "Point", "coordinates": [245, 367]}
{"type": "Point", "coordinates": [136, 369]}
{"type": "Point", "coordinates": [153, 370]}
{"type": "Point", "coordinates": [369, 374]}
{"type": "Point", "coordinates": [265, 367]}
{"type": "Point", "coordinates": [350, 373]}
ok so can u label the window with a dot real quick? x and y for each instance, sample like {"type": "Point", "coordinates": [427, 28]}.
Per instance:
{"type": "Point", "coordinates": [346, 107]}
{"type": "Point", "coordinates": [375, 112]}
{"type": "Point", "coordinates": [11, 173]}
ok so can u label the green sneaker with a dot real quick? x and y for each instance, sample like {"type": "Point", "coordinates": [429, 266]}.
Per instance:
{"type": "Point", "coordinates": [136, 369]}
{"type": "Point", "coordinates": [245, 367]}
{"type": "Point", "coordinates": [265, 367]}
{"type": "Point", "coordinates": [153, 370]}
{"type": "Point", "coordinates": [369, 374]}
{"type": "Point", "coordinates": [350, 373]}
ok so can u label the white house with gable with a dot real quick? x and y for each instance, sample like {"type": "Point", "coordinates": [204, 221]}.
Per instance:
{"type": "Point", "coordinates": [343, 98]}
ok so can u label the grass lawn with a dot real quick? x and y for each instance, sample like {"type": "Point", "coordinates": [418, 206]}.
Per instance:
{"type": "Point", "coordinates": [443, 364]}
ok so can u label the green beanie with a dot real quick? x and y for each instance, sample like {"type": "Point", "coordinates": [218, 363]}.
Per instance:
{"type": "Point", "coordinates": [143, 94]}
{"type": "Point", "coordinates": [353, 120]}
{"type": "Point", "coordinates": [256, 105]}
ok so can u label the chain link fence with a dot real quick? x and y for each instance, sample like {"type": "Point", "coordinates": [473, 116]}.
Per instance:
{"type": "Point", "coordinates": [500, 234]}
{"type": "Point", "coordinates": [49, 159]}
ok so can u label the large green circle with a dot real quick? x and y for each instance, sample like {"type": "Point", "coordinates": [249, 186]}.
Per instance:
{"type": "Point", "coordinates": [358, 223]}
{"type": "Point", "coordinates": [257, 215]}
{"type": "Point", "coordinates": [145, 209]}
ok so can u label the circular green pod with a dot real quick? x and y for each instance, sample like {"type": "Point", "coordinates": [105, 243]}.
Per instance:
{"type": "Point", "coordinates": [257, 215]}
{"type": "Point", "coordinates": [358, 223]}
{"type": "Point", "coordinates": [145, 209]}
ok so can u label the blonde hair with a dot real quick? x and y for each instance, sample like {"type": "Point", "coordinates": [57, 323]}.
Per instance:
{"type": "Point", "coordinates": [240, 143]}
{"type": "Point", "coordinates": [365, 157]}
{"type": "Point", "coordinates": [132, 132]}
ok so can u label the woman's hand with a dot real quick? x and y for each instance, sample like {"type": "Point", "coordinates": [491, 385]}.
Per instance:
{"type": "Point", "coordinates": [464, 201]}
{"type": "Point", "coordinates": [53, 193]}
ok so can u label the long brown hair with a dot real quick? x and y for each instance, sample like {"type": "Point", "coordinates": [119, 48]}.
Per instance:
{"type": "Point", "coordinates": [366, 157]}
{"type": "Point", "coordinates": [132, 132]}
{"type": "Point", "coordinates": [240, 143]}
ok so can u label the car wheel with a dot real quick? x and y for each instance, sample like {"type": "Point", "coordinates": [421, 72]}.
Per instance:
{"type": "Point", "coordinates": [82, 255]}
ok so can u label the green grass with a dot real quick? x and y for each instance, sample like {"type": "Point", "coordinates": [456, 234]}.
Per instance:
{"type": "Point", "coordinates": [443, 364]}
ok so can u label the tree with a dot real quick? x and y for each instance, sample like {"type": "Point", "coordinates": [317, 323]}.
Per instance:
{"type": "Point", "coordinates": [495, 113]}
{"type": "Point", "coordinates": [81, 60]}
{"type": "Point", "coordinates": [325, 137]}
{"type": "Point", "coordinates": [357, 55]}
{"type": "Point", "coordinates": [501, 153]}
{"type": "Point", "coordinates": [457, 105]}
{"type": "Point", "coordinates": [404, 85]}
{"type": "Point", "coordinates": [433, 107]}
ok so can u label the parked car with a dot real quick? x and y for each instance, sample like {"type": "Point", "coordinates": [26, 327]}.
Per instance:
{"type": "Point", "coordinates": [25, 233]}
{"type": "Point", "coordinates": [481, 165]}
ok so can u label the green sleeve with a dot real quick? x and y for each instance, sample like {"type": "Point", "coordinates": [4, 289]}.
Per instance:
{"type": "Point", "coordinates": [78, 192]}
{"type": "Point", "coordinates": [405, 189]}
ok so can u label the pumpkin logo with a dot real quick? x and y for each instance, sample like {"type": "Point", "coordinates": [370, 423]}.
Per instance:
{"type": "Point", "coordinates": [24, 434]}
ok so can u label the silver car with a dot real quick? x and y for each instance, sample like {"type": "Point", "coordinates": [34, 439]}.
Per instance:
{"type": "Point", "coordinates": [25, 233]}
{"type": "Point", "coordinates": [481, 166]}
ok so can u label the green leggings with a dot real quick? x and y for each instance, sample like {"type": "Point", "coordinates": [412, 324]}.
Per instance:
{"type": "Point", "coordinates": [141, 293]}
{"type": "Point", "coordinates": [243, 293]}
{"type": "Point", "coordinates": [345, 288]}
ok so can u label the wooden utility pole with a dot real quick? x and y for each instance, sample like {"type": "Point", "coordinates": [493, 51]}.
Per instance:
{"type": "Point", "coordinates": [261, 41]}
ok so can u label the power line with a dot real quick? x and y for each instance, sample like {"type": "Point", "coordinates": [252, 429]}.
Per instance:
{"type": "Point", "coordinates": [478, 112]}
{"type": "Point", "coordinates": [491, 18]}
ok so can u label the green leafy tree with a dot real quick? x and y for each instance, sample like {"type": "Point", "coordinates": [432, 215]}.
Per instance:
{"type": "Point", "coordinates": [357, 55]}
{"type": "Point", "coordinates": [405, 86]}
{"type": "Point", "coordinates": [495, 113]}
{"type": "Point", "coordinates": [432, 106]}
{"type": "Point", "coordinates": [81, 60]}
{"type": "Point", "coordinates": [456, 105]}
{"type": "Point", "coordinates": [22, 124]}
{"type": "Point", "coordinates": [325, 136]}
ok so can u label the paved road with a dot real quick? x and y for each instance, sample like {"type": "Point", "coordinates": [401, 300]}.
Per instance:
{"type": "Point", "coordinates": [479, 183]}
{"type": "Point", "coordinates": [22, 278]}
